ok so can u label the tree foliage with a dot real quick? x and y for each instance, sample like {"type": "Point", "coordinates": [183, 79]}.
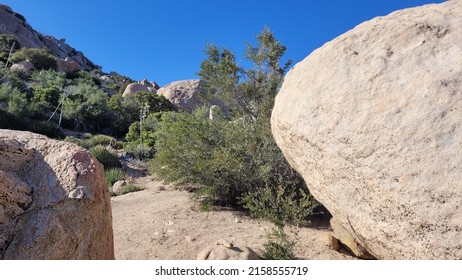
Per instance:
{"type": "Point", "coordinates": [235, 159]}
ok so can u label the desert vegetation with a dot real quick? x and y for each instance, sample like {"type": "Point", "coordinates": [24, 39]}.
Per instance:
{"type": "Point", "coordinates": [227, 151]}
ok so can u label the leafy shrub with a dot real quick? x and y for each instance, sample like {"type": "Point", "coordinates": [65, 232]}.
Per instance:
{"type": "Point", "coordinates": [280, 205]}
{"type": "Point", "coordinates": [81, 142]}
{"type": "Point", "coordinates": [139, 152]}
{"type": "Point", "coordinates": [105, 157]}
{"type": "Point", "coordinates": [41, 58]}
{"type": "Point", "coordinates": [6, 42]}
{"type": "Point", "coordinates": [113, 175]}
{"type": "Point", "coordinates": [103, 140]}
{"type": "Point", "coordinates": [278, 247]}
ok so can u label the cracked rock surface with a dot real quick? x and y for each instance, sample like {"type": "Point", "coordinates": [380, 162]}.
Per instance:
{"type": "Point", "coordinates": [53, 200]}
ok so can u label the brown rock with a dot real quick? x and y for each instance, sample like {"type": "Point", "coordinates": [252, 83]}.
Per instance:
{"type": "Point", "coordinates": [67, 66]}
{"type": "Point", "coordinates": [54, 202]}
{"type": "Point", "coordinates": [372, 121]}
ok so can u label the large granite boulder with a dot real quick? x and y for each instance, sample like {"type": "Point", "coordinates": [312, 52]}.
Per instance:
{"type": "Point", "coordinates": [188, 95]}
{"type": "Point", "coordinates": [184, 95]}
{"type": "Point", "coordinates": [54, 203]}
{"type": "Point", "coordinates": [136, 87]}
{"type": "Point", "coordinates": [373, 122]}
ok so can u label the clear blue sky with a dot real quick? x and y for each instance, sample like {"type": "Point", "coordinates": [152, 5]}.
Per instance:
{"type": "Point", "coordinates": [163, 40]}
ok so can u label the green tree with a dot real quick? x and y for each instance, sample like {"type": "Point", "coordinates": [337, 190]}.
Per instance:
{"type": "Point", "coordinates": [86, 106]}
{"type": "Point", "coordinates": [235, 160]}
{"type": "Point", "coordinates": [126, 110]}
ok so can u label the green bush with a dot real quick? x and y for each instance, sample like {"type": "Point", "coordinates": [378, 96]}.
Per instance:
{"type": "Point", "coordinates": [6, 42]}
{"type": "Point", "coordinates": [103, 140]}
{"type": "Point", "coordinates": [41, 58]}
{"type": "Point", "coordinates": [129, 189]}
{"type": "Point", "coordinates": [113, 175]}
{"type": "Point", "coordinates": [280, 205]}
{"type": "Point", "coordinates": [278, 247]}
{"type": "Point", "coordinates": [46, 128]}
{"type": "Point", "coordinates": [81, 142]}
{"type": "Point", "coordinates": [105, 157]}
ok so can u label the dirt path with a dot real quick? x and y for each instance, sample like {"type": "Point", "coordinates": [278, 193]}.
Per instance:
{"type": "Point", "coordinates": [159, 223]}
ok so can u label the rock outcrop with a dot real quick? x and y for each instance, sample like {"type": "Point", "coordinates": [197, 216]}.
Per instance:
{"type": "Point", "coordinates": [54, 203]}
{"type": "Point", "coordinates": [187, 95]}
{"type": "Point", "coordinates": [12, 23]}
{"type": "Point", "coordinates": [138, 87]}
{"type": "Point", "coordinates": [24, 65]}
{"type": "Point", "coordinates": [373, 122]}
{"type": "Point", "coordinates": [225, 250]}
{"type": "Point", "coordinates": [67, 65]}
{"type": "Point", "coordinates": [183, 94]}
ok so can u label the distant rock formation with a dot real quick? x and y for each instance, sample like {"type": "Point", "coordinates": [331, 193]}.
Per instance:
{"type": "Point", "coordinates": [372, 121]}
{"type": "Point", "coordinates": [188, 95]}
{"type": "Point", "coordinates": [143, 86]}
{"type": "Point", "coordinates": [54, 203]}
{"type": "Point", "coordinates": [12, 23]}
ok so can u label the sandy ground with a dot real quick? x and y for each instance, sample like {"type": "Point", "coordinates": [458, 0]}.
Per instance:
{"type": "Point", "coordinates": [164, 224]}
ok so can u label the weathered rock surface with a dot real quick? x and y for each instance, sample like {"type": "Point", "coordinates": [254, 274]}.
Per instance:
{"type": "Point", "coordinates": [136, 87]}
{"type": "Point", "coordinates": [24, 65]}
{"type": "Point", "coordinates": [187, 95]}
{"type": "Point", "coordinates": [372, 121]}
{"type": "Point", "coordinates": [67, 65]}
{"type": "Point", "coordinates": [53, 200]}
{"type": "Point", "coordinates": [344, 237]}
{"type": "Point", "coordinates": [225, 250]}
{"type": "Point", "coordinates": [183, 95]}
{"type": "Point", "coordinates": [117, 186]}
{"type": "Point", "coordinates": [12, 24]}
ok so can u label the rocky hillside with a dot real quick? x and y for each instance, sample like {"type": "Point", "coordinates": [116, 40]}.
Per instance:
{"type": "Point", "coordinates": [12, 23]}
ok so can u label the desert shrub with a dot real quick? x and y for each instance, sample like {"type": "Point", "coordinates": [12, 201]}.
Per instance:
{"type": "Point", "coordinates": [41, 58]}
{"type": "Point", "coordinates": [280, 205]}
{"type": "Point", "coordinates": [103, 140]}
{"type": "Point", "coordinates": [46, 128]}
{"type": "Point", "coordinates": [113, 175]}
{"type": "Point", "coordinates": [6, 42]}
{"type": "Point", "coordinates": [105, 157]}
{"type": "Point", "coordinates": [10, 121]}
{"type": "Point", "coordinates": [126, 110]}
{"type": "Point", "coordinates": [139, 152]}
{"type": "Point", "coordinates": [128, 189]}
{"type": "Point", "coordinates": [278, 246]}
{"type": "Point", "coordinates": [81, 142]}
{"type": "Point", "coordinates": [234, 159]}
